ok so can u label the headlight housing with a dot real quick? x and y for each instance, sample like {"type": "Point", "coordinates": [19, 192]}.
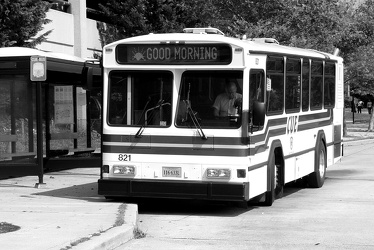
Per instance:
{"type": "Point", "coordinates": [124, 170]}
{"type": "Point", "coordinates": [222, 173]}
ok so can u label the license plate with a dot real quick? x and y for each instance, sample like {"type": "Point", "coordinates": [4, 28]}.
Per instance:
{"type": "Point", "coordinates": [171, 172]}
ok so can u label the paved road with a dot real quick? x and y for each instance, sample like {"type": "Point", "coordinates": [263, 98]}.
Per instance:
{"type": "Point", "coordinates": [340, 215]}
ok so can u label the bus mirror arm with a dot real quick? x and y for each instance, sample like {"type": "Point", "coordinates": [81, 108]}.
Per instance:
{"type": "Point", "coordinates": [258, 114]}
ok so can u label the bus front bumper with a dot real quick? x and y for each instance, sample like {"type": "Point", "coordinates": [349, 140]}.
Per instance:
{"type": "Point", "coordinates": [174, 189]}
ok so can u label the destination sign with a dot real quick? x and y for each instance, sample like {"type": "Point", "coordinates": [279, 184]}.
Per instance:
{"type": "Point", "coordinates": [169, 54]}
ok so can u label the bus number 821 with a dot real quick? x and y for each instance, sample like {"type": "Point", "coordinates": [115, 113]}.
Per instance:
{"type": "Point", "coordinates": [124, 157]}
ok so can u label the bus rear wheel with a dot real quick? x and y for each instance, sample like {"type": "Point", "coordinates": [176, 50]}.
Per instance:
{"type": "Point", "coordinates": [276, 183]}
{"type": "Point", "coordinates": [317, 178]}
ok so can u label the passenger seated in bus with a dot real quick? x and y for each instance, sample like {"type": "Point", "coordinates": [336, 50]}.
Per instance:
{"type": "Point", "coordinates": [226, 104]}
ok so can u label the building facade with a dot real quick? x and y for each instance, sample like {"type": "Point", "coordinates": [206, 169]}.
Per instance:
{"type": "Point", "coordinates": [72, 32]}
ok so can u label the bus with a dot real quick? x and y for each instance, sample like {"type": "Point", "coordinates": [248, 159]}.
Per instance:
{"type": "Point", "coordinates": [198, 115]}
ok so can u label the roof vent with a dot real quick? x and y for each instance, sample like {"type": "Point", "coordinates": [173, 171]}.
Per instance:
{"type": "Point", "coordinates": [203, 31]}
{"type": "Point", "coordinates": [265, 40]}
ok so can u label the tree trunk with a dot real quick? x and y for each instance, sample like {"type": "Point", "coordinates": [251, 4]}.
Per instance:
{"type": "Point", "coordinates": [371, 122]}
{"type": "Point", "coordinates": [345, 131]}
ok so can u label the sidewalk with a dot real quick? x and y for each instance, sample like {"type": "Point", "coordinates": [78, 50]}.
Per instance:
{"type": "Point", "coordinates": [358, 130]}
{"type": "Point", "coordinates": [65, 213]}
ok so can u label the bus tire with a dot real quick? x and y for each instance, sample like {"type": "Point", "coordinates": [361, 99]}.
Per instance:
{"type": "Point", "coordinates": [317, 178]}
{"type": "Point", "coordinates": [276, 183]}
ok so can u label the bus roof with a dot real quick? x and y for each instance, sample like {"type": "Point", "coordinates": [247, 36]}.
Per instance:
{"type": "Point", "coordinates": [253, 46]}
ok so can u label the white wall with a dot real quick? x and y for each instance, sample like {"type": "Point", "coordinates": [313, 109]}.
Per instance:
{"type": "Point", "coordinates": [62, 37]}
{"type": "Point", "coordinates": [67, 37]}
{"type": "Point", "coordinates": [93, 38]}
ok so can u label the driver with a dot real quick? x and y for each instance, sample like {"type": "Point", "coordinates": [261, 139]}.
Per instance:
{"type": "Point", "coordinates": [226, 103]}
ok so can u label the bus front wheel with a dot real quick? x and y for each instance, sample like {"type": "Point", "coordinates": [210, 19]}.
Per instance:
{"type": "Point", "coordinates": [317, 178]}
{"type": "Point", "coordinates": [276, 183]}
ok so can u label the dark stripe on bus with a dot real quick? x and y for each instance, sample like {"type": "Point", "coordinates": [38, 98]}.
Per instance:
{"type": "Point", "coordinates": [268, 133]}
{"type": "Point", "coordinates": [174, 151]}
{"type": "Point", "coordinates": [167, 139]}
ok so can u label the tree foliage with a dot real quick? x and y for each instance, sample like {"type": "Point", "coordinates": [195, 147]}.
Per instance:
{"type": "Point", "coordinates": [358, 48]}
{"type": "Point", "coordinates": [21, 20]}
{"type": "Point", "coordinates": [316, 24]}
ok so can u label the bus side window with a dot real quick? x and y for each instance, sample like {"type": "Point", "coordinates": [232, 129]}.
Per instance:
{"type": "Point", "coordinates": [329, 85]}
{"type": "Point", "coordinates": [256, 90]}
{"type": "Point", "coordinates": [256, 87]}
{"type": "Point", "coordinates": [275, 97]}
{"type": "Point", "coordinates": [316, 88]}
{"type": "Point", "coordinates": [305, 84]}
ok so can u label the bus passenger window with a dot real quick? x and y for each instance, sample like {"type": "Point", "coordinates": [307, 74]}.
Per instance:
{"type": "Point", "coordinates": [275, 97]}
{"type": "Point", "coordinates": [305, 82]}
{"type": "Point", "coordinates": [293, 83]}
{"type": "Point", "coordinates": [256, 87]}
{"type": "Point", "coordinates": [316, 85]}
{"type": "Point", "coordinates": [329, 88]}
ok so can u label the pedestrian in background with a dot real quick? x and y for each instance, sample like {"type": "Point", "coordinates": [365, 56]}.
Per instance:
{"type": "Point", "coordinates": [359, 106]}
{"type": "Point", "coordinates": [369, 106]}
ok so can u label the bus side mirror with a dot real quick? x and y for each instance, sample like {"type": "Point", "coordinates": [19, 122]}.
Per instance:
{"type": "Point", "coordinates": [87, 77]}
{"type": "Point", "coordinates": [258, 112]}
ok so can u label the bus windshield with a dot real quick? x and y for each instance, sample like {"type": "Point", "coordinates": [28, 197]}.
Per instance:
{"type": "Point", "coordinates": [210, 99]}
{"type": "Point", "coordinates": [140, 98]}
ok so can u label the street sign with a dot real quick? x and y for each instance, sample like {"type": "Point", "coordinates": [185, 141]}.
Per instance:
{"type": "Point", "coordinates": [38, 68]}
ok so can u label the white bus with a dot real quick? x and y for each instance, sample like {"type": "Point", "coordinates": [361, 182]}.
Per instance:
{"type": "Point", "coordinates": [278, 117]}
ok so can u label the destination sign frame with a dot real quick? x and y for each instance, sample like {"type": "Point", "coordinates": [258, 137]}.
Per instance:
{"type": "Point", "coordinates": [174, 54]}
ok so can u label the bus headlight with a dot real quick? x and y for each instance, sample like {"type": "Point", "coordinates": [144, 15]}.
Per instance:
{"type": "Point", "coordinates": [218, 173]}
{"type": "Point", "coordinates": [124, 170]}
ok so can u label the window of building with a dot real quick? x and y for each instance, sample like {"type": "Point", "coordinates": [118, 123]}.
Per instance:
{"type": "Point", "coordinates": [60, 5]}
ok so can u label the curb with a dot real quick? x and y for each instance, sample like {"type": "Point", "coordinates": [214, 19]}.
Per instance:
{"type": "Point", "coordinates": [115, 236]}
{"type": "Point", "coordinates": [357, 141]}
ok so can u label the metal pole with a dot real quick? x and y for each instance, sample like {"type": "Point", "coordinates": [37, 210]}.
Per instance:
{"type": "Point", "coordinates": [47, 124]}
{"type": "Point", "coordinates": [75, 115]}
{"type": "Point", "coordinates": [353, 110]}
{"type": "Point", "coordinates": [88, 118]}
{"type": "Point", "coordinates": [39, 126]}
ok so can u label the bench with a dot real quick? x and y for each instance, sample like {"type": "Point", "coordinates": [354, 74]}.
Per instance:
{"type": "Point", "coordinates": [10, 156]}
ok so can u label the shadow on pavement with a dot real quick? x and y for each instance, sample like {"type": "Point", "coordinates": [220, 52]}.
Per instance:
{"type": "Point", "coordinates": [340, 173]}
{"type": "Point", "coordinates": [86, 192]}
{"type": "Point", "coordinates": [188, 207]}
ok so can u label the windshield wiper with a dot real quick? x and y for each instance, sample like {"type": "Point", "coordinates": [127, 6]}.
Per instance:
{"type": "Point", "coordinates": [195, 120]}
{"type": "Point", "coordinates": [141, 129]}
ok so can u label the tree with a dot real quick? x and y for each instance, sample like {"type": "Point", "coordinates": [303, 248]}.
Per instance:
{"type": "Point", "coordinates": [21, 20]}
{"type": "Point", "coordinates": [129, 18]}
{"type": "Point", "coordinates": [357, 45]}
{"type": "Point", "coordinates": [315, 24]}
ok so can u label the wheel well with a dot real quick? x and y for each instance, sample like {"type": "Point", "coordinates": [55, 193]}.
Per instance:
{"type": "Point", "coordinates": [279, 160]}
{"type": "Point", "coordinates": [321, 137]}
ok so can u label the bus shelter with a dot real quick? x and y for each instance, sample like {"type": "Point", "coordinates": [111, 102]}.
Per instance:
{"type": "Point", "coordinates": [46, 108]}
